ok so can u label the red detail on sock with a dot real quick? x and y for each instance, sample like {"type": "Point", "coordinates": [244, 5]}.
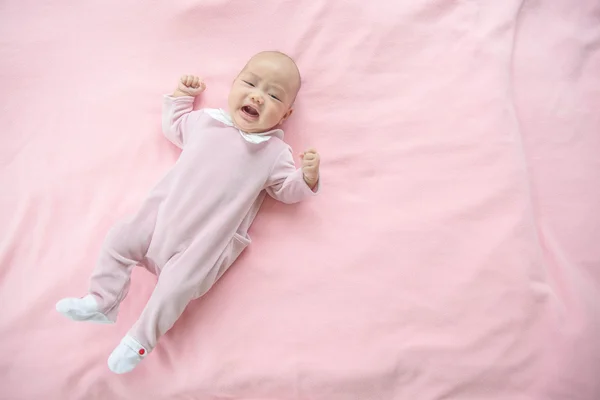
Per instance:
{"type": "Point", "coordinates": [142, 351]}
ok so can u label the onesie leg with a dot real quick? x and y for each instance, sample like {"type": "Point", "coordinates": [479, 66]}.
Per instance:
{"type": "Point", "coordinates": [178, 284]}
{"type": "Point", "coordinates": [125, 246]}
{"type": "Point", "coordinates": [184, 278]}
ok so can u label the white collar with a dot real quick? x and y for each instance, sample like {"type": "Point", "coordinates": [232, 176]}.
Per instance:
{"type": "Point", "coordinates": [221, 116]}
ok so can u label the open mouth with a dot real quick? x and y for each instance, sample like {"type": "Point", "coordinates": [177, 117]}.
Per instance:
{"type": "Point", "coordinates": [250, 111]}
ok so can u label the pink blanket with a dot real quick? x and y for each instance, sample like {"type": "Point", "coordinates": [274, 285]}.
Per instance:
{"type": "Point", "coordinates": [452, 254]}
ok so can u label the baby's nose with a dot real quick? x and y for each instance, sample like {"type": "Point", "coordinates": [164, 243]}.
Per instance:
{"type": "Point", "coordinates": [256, 98]}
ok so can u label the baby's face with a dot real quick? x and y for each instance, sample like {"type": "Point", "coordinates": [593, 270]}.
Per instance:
{"type": "Point", "coordinates": [263, 93]}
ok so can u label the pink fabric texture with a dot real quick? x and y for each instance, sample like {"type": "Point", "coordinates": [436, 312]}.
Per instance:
{"type": "Point", "coordinates": [451, 254]}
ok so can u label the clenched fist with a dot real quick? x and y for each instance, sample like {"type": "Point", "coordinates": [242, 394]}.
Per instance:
{"type": "Point", "coordinates": [189, 85]}
{"type": "Point", "coordinates": [310, 167]}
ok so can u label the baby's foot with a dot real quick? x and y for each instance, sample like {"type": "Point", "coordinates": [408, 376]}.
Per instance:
{"type": "Point", "coordinates": [84, 309]}
{"type": "Point", "coordinates": [126, 356]}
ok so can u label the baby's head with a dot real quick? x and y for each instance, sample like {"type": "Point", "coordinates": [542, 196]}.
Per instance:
{"type": "Point", "coordinates": [263, 93]}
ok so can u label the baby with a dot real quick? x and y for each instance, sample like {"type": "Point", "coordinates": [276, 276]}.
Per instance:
{"type": "Point", "coordinates": [194, 223]}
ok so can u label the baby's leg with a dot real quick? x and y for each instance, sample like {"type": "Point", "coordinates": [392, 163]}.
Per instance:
{"type": "Point", "coordinates": [181, 280]}
{"type": "Point", "coordinates": [178, 284]}
{"type": "Point", "coordinates": [125, 246]}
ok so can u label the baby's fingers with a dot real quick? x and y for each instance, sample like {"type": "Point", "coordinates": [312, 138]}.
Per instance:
{"type": "Point", "coordinates": [186, 80]}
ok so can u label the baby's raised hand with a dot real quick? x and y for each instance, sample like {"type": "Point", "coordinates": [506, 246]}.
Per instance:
{"type": "Point", "coordinates": [189, 85]}
{"type": "Point", "coordinates": [310, 167]}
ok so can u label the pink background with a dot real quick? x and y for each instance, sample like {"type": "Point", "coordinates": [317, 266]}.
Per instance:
{"type": "Point", "coordinates": [451, 255]}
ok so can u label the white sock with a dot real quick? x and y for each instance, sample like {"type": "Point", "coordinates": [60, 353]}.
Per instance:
{"type": "Point", "coordinates": [126, 356]}
{"type": "Point", "coordinates": [84, 309]}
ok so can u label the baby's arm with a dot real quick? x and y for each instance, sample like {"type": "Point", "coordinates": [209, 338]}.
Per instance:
{"type": "Point", "coordinates": [290, 185]}
{"type": "Point", "coordinates": [178, 117]}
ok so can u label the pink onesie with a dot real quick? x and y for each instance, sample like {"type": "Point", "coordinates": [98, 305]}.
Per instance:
{"type": "Point", "coordinates": [194, 223]}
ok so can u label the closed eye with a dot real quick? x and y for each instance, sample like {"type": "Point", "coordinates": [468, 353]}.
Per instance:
{"type": "Point", "coordinates": [248, 83]}
{"type": "Point", "coordinates": [274, 97]}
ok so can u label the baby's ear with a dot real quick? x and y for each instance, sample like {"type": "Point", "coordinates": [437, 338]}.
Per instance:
{"type": "Point", "coordinates": [286, 115]}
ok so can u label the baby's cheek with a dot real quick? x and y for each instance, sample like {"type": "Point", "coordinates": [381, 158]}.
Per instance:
{"type": "Point", "coordinates": [271, 117]}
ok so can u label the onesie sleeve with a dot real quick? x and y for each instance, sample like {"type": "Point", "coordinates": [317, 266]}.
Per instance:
{"type": "Point", "coordinates": [286, 183]}
{"type": "Point", "coordinates": [178, 118]}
